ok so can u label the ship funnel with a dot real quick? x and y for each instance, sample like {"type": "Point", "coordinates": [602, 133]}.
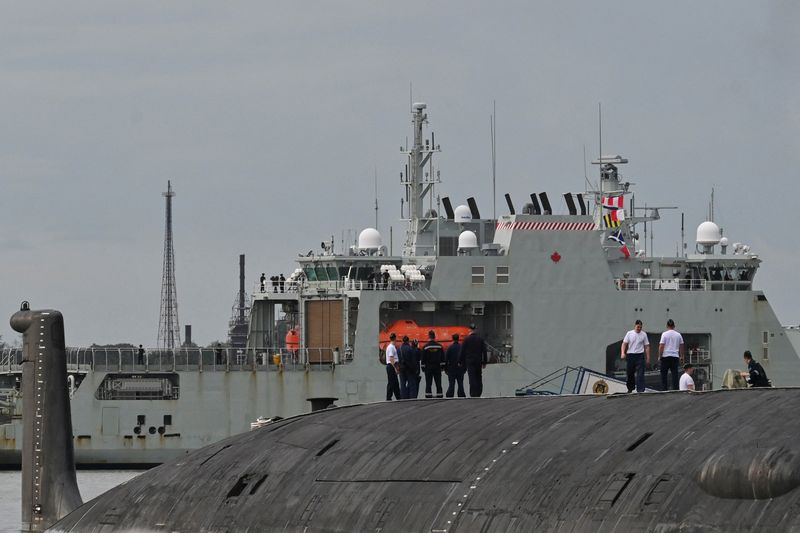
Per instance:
{"type": "Point", "coordinates": [49, 487]}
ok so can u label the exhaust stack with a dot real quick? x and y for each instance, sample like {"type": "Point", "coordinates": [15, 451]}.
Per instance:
{"type": "Point", "coordinates": [49, 487]}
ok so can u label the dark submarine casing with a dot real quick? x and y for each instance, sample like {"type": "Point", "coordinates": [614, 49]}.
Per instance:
{"type": "Point", "coordinates": [49, 486]}
{"type": "Point", "coordinates": [666, 462]}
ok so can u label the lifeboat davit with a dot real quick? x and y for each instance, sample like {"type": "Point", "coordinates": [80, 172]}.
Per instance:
{"type": "Point", "coordinates": [444, 334]}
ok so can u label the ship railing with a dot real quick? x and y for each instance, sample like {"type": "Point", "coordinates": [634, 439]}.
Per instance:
{"type": "Point", "coordinates": [10, 359]}
{"type": "Point", "coordinates": [391, 285]}
{"type": "Point", "coordinates": [210, 359]}
{"type": "Point", "coordinates": [680, 284]}
{"type": "Point", "coordinates": [498, 354]}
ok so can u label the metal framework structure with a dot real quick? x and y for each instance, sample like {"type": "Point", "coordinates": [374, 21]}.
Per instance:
{"type": "Point", "coordinates": [169, 330]}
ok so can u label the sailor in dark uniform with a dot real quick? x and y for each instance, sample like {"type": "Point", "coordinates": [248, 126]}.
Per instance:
{"type": "Point", "coordinates": [432, 363]}
{"type": "Point", "coordinates": [755, 374]}
{"type": "Point", "coordinates": [455, 372]}
{"type": "Point", "coordinates": [409, 370]}
{"type": "Point", "coordinates": [474, 359]}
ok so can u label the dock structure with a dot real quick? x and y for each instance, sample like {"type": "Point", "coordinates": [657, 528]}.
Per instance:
{"type": "Point", "coordinates": [710, 461]}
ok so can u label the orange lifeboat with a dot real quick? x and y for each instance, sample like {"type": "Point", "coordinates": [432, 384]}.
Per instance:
{"type": "Point", "coordinates": [409, 328]}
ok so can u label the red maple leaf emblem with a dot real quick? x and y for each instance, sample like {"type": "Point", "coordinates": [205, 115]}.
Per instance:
{"type": "Point", "coordinates": [556, 257]}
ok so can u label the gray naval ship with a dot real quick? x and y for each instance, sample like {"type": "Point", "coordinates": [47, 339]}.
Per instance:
{"type": "Point", "coordinates": [552, 294]}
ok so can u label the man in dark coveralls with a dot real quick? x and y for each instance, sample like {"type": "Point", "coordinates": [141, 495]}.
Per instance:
{"type": "Point", "coordinates": [455, 372]}
{"type": "Point", "coordinates": [409, 370]}
{"type": "Point", "coordinates": [474, 359]}
{"type": "Point", "coordinates": [432, 363]}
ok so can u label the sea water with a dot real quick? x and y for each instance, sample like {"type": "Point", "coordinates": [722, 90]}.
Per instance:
{"type": "Point", "coordinates": [91, 482]}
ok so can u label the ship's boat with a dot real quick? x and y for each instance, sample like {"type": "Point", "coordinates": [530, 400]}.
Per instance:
{"type": "Point", "coordinates": [410, 329]}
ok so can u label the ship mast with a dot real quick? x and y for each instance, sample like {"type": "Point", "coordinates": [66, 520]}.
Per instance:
{"type": "Point", "coordinates": [169, 331]}
{"type": "Point", "coordinates": [419, 184]}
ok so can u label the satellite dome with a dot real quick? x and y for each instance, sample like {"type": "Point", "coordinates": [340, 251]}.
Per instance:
{"type": "Point", "coordinates": [723, 241]}
{"type": "Point", "coordinates": [462, 214]}
{"type": "Point", "coordinates": [369, 239]}
{"type": "Point", "coordinates": [467, 240]}
{"type": "Point", "coordinates": [708, 234]}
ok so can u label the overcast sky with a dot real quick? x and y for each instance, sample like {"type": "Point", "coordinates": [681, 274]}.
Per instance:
{"type": "Point", "coordinates": [270, 118]}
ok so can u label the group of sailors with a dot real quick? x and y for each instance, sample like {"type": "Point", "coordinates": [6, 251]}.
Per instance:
{"type": "Point", "coordinates": [635, 351]}
{"type": "Point", "coordinates": [406, 365]}
{"type": "Point", "coordinates": [278, 282]}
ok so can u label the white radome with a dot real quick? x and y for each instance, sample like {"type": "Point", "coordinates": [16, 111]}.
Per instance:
{"type": "Point", "coordinates": [708, 233]}
{"type": "Point", "coordinates": [462, 214]}
{"type": "Point", "coordinates": [467, 240]}
{"type": "Point", "coordinates": [369, 239]}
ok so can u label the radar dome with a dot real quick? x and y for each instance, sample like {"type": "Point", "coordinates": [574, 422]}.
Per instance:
{"type": "Point", "coordinates": [467, 239]}
{"type": "Point", "coordinates": [369, 239]}
{"type": "Point", "coordinates": [708, 234]}
{"type": "Point", "coordinates": [723, 241]}
{"type": "Point", "coordinates": [462, 214]}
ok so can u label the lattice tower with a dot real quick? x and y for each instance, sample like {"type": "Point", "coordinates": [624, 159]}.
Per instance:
{"type": "Point", "coordinates": [169, 330]}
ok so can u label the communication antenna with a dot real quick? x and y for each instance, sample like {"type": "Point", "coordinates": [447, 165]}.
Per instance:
{"type": "Point", "coordinates": [711, 208]}
{"type": "Point", "coordinates": [493, 133]}
{"type": "Point", "coordinates": [683, 238]}
{"type": "Point", "coordinates": [376, 197]}
{"type": "Point", "coordinates": [169, 331]}
{"type": "Point", "coordinates": [600, 135]}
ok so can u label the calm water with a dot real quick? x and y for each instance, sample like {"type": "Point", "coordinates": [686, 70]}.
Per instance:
{"type": "Point", "coordinates": [91, 482]}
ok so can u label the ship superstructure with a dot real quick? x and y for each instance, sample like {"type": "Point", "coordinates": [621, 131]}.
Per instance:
{"type": "Point", "coordinates": [546, 290]}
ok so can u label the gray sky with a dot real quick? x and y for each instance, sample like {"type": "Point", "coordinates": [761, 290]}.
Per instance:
{"type": "Point", "coordinates": [269, 118]}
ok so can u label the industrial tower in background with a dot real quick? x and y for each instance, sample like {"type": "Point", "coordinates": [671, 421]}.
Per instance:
{"type": "Point", "coordinates": [169, 331]}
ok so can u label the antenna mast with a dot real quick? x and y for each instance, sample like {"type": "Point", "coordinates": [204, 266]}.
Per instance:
{"type": "Point", "coordinates": [493, 132]}
{"type": "Point", "coordinates": [376, 197]}
{"type": "Point", "coordinates": [169, 331]}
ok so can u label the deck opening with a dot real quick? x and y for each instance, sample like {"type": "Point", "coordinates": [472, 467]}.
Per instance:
{"type": "Point", "coordinates": [237, 489]}
{"type": "Point", "coordinates": [327, 447]}
{"type": "Point", "coordinates": [614, 489]}
{"type": "Point", "coordinates": [258, 484]}
{"type": "Point", "coordinates": [639, 441]}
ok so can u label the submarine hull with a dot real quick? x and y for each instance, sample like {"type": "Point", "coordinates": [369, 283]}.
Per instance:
{"type": "Point", "coordinates": [714, 461]}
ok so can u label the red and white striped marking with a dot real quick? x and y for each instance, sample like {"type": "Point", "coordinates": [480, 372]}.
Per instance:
{"type": "Point", "coordinates": [548, 226]}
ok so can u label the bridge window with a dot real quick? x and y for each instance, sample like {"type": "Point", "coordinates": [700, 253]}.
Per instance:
{"type": "Point", "coordinates": [478, 275]}
{"type": "Point", "coordinates": [502, 275]}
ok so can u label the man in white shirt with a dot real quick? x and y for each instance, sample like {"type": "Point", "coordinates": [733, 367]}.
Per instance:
{"type": "Point", "coordinates": [392, 369]}
{"type": "Point", "coordinates": [670, 348]}
{"type": "Point", "coordinates": [687, 383]}
{"type": "Point", "coordinates": [636, 352]}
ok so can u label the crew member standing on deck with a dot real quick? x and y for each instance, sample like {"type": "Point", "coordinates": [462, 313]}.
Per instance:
{"type": "Point", "coordinates": [432, 363]}
{"type": "Point", "coordinates": [755, 374]}
{"type": "Point", "coordinates": [636, 351]}
{"type": "Point", "coordinates": [455, 372]}
{"type": "Point", "coordinates": [474, 359]}
{"type": "Point", "coordinates": [687, 383]}
{"type": "Point", "coordinates": [392, 369]}
{"type": "Point", "coordinates": [409, 370]}
{"type": "Point", "coordinates": [671, 350]}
